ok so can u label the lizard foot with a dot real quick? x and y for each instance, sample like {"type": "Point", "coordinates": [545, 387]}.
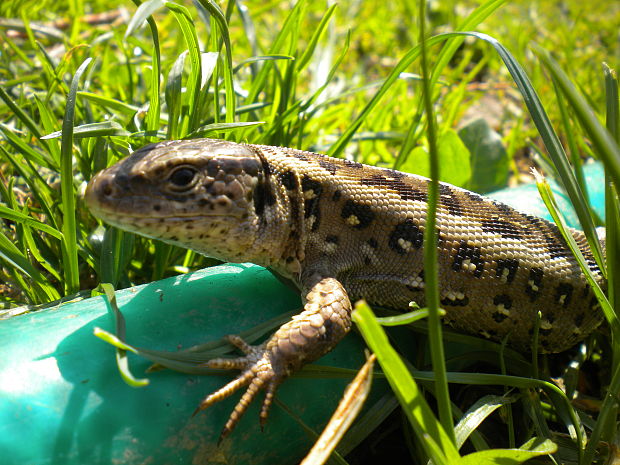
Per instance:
{"type": "Point", "coordinates": [257, 371]}
{"type": "Point", "coordinates": [325, 320]}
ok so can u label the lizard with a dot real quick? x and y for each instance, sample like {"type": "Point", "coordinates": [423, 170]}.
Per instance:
{"type": "Point", "coordinates": [343, 231]}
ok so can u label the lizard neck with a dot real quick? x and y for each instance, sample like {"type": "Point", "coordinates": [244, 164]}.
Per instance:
{"type": "Point", "coordinates": [280, 218]}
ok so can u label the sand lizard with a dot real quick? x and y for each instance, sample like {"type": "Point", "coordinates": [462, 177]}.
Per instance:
{"type": "Point", "coordinates": [343, 231]}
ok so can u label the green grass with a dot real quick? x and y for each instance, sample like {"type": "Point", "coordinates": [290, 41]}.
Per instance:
{"type": "Point", "coordinates": [348, 80]}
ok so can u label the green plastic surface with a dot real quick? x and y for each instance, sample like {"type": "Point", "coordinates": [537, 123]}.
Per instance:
{"type": "Point", "coordinates": [62, 400]}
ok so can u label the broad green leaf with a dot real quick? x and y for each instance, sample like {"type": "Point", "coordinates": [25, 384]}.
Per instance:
{"type": "Point", "coordinates": [454, 160]}
{"type": "Point", "coordinates": [489, 160]}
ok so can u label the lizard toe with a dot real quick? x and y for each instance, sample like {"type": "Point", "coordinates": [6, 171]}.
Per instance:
{"type": "Point", "coordinates": [258, 372]}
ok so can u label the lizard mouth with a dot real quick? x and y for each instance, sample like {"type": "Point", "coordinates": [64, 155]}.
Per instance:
{"type": "Point", "coordinates": [129, 209]}
{"type": "Point", "coordinates": [162, 227]}
{"type": "Point", "coordinates": [116, 218]}
{"type": "Point", "coordinates": [201, 231]}
{"type": "Point", "coordinates": [139, 219]}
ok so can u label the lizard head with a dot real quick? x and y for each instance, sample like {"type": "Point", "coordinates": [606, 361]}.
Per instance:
{"type": "Point", "coordinates": [200, 194]}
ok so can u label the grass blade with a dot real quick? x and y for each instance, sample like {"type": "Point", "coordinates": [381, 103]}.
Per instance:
{"type": "Point", "coordinates": [69, 228]}
{"type": "Point", "coordinates": [532, 448]}
{"type": "Point", "coordinates": [551, 141]}
{"type": "Point", "coordinates": [174, 96]}
{"type": "Point", "coordinates": [222, 23]}
{"type": "Point", "coordinates": [190, 118]}
{"type": "Point", "coordinates": [310, 48]}
{"type": "Point", "coordinates": [153, 114]}
{"type": "Point", "coordinates": [222, 128]}
{"type": "Point", "coordinates": [547, 196]}
{"type": "Point", "coordinates": [453, 38]}
{"type": "Point", "coordinates": [19, 113]}
{"type": "Point", "coordinates": [431, 288]}
{"type": "Point", "coordinates": [119, 339]}
{"type": "Point", "coordinates": [112, 104]}
{"type": "Point", "coordinates": [606, 419]}
{"type": "Point", "coordinates": [105, 128]}
{"type": "Point", "coordinates": [476, 414]}
{"type": "Point", "coordinates": [18, 217]}
{"type": "Point", "coordinates": [606, 148]}
{"type": "Point", "coordinates": [612, 203]}
{"type": "Point", "coordinates": [418, 412]}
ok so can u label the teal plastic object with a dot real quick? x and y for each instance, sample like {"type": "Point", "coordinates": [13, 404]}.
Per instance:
{"type": "Point", "coordinates": [525, 198]}
{"type": "Point", "coordinates": [62, 400]}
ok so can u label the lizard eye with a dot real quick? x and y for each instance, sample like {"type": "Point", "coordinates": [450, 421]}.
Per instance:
{"type": "Point", "coordinates": [182, 178]}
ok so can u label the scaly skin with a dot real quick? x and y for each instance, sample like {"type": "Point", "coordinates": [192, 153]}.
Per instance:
{"type": "Point", "coordinates": [343, 231]}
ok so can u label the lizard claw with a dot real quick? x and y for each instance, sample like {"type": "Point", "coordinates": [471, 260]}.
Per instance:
{"type": "Point", "coordinates": [315, 331]}
{"type": "Point", "coordinates": [258, 373]}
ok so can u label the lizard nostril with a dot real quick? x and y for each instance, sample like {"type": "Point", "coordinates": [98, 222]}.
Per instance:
{"type": "Point", "coordinates": [107, 189]}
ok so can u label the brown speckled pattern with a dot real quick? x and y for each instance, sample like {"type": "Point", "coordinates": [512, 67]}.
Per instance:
{"type": "Point", "coordinates": [342, 230]}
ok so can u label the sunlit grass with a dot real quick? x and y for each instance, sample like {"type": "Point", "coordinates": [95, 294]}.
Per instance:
{"type": "Point", "coordinates": [345, 79]}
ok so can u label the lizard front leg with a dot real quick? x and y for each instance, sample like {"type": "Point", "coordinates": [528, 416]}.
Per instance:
{"type": "Point", "coordinates": [324, 321]}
